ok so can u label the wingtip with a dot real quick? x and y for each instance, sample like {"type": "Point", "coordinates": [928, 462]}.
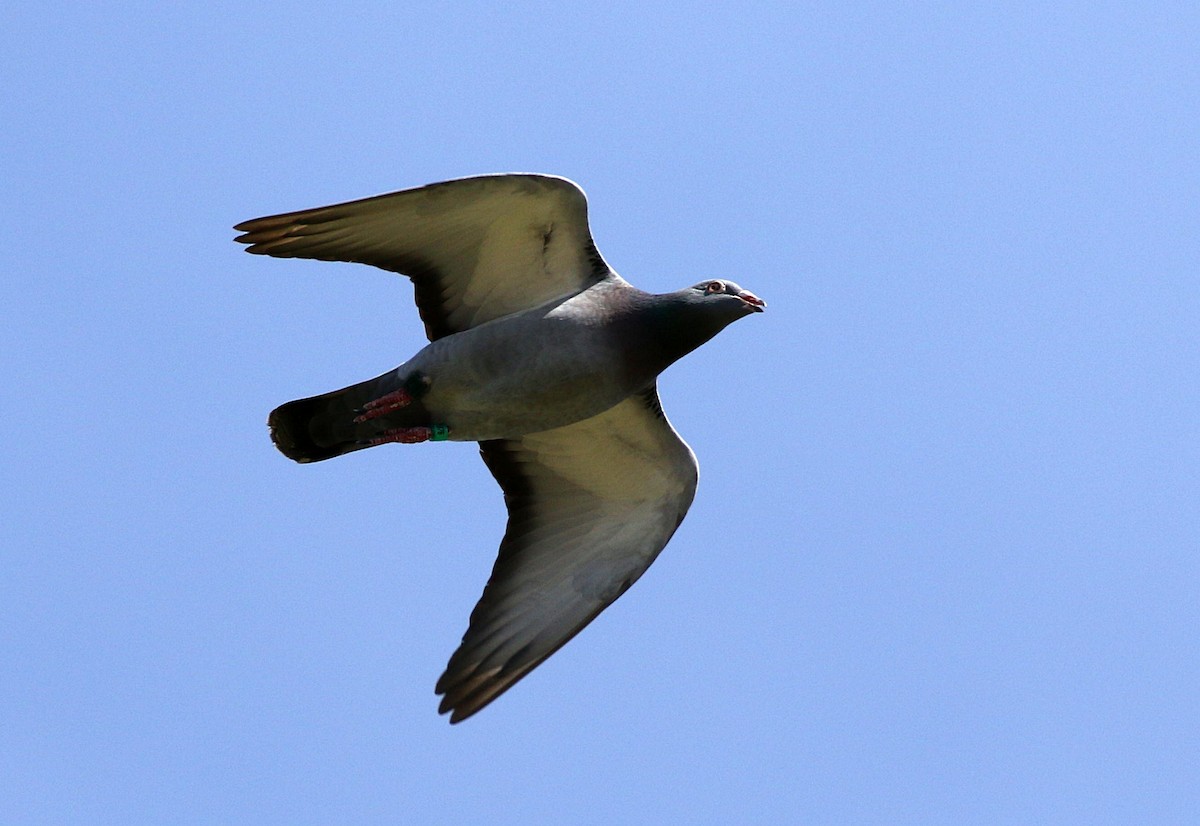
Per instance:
{"type": "Point", "coordinates": [457, 713]}
{"type": "Point", "coordinates": [464, 695]}
{"type": "Point", "coordinates": [457, 716]}
{"type": "Point", "coordinates": [464, 711]}
{"type": "Point", "coordinates": [250, 233]}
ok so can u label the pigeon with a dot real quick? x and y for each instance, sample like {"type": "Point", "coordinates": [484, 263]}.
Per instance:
{"type": "Point", "coordinates": [549, 360]}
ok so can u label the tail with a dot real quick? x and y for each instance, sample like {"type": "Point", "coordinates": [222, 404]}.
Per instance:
{"type": "Point", "coordinates": [321, 427]}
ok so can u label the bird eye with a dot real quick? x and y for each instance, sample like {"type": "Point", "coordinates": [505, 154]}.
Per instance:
{"type": "Point", "coordinates": [714, 287]}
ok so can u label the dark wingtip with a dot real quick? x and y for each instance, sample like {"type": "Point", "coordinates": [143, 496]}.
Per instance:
{"type": "Point", "coordinates": [461, 711]}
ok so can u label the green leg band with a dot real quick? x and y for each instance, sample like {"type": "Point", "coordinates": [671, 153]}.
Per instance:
{"type": "Point", "coordinates": [441, 433]}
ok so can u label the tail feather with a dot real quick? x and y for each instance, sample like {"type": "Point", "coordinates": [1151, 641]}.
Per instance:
{"type": "Point", "coordinates": [321, 427]}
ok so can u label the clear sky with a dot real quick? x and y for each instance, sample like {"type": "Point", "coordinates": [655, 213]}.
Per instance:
{"type": "Point", "coordinates": [942, 566]}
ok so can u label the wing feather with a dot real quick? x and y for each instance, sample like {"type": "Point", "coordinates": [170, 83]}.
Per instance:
{"type": "Point", "coordinates": [476, 248]}
{"type": "Point", "coordinates": [590, 505]}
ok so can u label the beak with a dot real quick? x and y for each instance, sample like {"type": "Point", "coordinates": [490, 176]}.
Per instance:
{"type": "Point", "coordinates": [756, 303]}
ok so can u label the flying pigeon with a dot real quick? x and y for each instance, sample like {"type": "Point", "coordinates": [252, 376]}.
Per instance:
{"type": "Point", "coordinates": [548, 359]}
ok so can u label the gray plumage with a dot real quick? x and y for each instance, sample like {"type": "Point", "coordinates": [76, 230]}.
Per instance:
{"type": "Point", "coordinates": [548, 359]}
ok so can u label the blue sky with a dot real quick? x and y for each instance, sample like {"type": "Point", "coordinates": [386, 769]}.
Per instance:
{"type": "Point", "coordinates": [942, 565]}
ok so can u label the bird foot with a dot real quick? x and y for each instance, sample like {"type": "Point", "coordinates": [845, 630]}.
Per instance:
{"type": "Point", "coordinates": [403, 435]}
{"type": "Point", "coordinates": [415, 386]}
{"type": "Point", "coordinates": [383, 405]}
{"type": "Point", "coordinates": [409, 435]}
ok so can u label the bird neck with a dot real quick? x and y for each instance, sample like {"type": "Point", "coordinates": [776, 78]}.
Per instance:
{"type": "Point", "coordinates": [665, 328]}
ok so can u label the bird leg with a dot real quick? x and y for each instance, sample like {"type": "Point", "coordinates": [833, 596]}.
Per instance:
{"type": "Point", "coordinates": [383, 405]}
{"type": "Point", "coordinates": [409, 435]}
{"type": "Point", "coordinates": [415, 386]}
{"type": "Point", "coordinates": [403, 435]}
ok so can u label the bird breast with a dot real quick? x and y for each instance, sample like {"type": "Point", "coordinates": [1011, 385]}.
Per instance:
{"type": "Point", "coordinates": [523, 374]}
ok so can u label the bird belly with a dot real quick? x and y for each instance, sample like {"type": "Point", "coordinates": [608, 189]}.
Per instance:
{"type": "Point", "coordinates": [494, 385]}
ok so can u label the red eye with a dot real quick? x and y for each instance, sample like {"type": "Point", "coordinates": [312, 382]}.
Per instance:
{"type": "Point", "coordinates": [715, 287]}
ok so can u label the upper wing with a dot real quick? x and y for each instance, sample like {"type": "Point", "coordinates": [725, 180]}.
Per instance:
{"type": "Point", "coordinates": [590, 506]}
{"type": "Point", "coordinates": [476, 248]}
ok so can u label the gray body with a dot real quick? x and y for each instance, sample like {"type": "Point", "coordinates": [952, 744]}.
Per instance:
{"type": "Point", "coordinates": [548, 359]}
{"type": "Point", "coordinates": [536, 370]}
